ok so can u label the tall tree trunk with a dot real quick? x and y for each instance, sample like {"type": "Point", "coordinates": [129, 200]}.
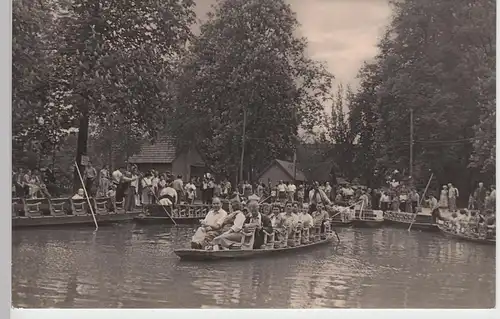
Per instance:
{"type": "Point", "coordinates": [83, 133]}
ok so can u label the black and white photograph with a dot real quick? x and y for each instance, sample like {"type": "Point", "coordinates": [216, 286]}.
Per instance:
{"type": "Point", "coordinates": [253, 154]}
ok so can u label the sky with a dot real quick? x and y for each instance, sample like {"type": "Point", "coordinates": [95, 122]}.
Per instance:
{"type": "Point", "coordinates": [341, 33]}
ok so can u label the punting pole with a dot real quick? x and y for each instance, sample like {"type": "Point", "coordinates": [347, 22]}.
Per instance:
{"type": "Point", "coordinates": [361, 215]}
{"type": "Point", "coordinates": [87, 195]}
{"type": "Point", "coordinates": [166, 212]}
{"type": "Point", "coordinates": [420, 202]}
{"type": "Point", "coordinates": [262, 201]}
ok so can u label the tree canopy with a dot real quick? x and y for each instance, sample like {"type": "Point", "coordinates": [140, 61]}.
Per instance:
{"type": "Point", "coordinates": [436, 59]}
{"type": "Point", "coordinates": [249, 58]}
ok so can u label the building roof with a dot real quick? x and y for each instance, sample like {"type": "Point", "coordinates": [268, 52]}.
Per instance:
{"type": "Point", "coordinates": [288, 168]}
{"type": "Point", "coordinates": [163, 151]}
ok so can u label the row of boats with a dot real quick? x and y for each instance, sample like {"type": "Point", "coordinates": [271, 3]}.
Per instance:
{"type": "Point", "coordinates": [68, 211]}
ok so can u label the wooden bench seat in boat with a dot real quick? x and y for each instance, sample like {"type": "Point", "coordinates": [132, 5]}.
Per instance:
{"type": "Point", "coordinates": [247, 240]}
{"type": "Point", "coordinates": [79, 207]}
{"type": "Point", "coordinates": [280, 238]}
{"type": "Point", "coordinates": [316, 233]}
{"type": "Point", "coordinates": [269, 239]}
{"type": "Point", "coordinates": [33, 207]}
{"type": "Point", "coordinates": [119, 206]}
{"type": "Point", "coordinates": [18, 207]}
{"type": "Point", "coordinates": [59, 206]}
{"type": "Point", "coordinates": [102, 205]}
{"type": "Point", "coordinates": [297, 236]}
{"type": "Point", "coordinates": [305, 235]}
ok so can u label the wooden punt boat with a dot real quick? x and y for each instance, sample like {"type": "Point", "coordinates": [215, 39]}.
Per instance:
{"type": "Point", "coordinates": [341, 217]}
{"type": "Point", "coordinates": [302, 239]}
{"type": "Point", "coordinates": [183, 214]}
{"type": "Point", "coordinates": [402, 219]}
{"type": "Point", "coordinates": [466, 237]}
{"type": "Point", "coordinates": [67, 211]}
{"type": "Point", "coordinates": [207, 255]}
{"type": "Point", "coordinates": [367, 218]}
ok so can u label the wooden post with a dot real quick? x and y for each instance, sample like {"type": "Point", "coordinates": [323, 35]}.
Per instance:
{"type": "Point", "coordinates": [81, 149]}
{"type": "Point", "coordinates": [411, 147]}
{"type": "Point", "coordinates": [243, 142]}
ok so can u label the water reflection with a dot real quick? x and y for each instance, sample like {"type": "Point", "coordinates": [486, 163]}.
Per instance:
{"type": "Point", "coordinates": [134, 266]}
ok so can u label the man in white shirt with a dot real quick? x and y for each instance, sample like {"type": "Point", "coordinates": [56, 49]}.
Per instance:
{"type": "Point", "coordinates": [191, 192]}
{"type": "Point", "coordinates": [328, 190]}
{"type": "Point", "coordinates": [178, 185]}
{"type": "Point", "coordinates": [433, 204]}
{"type": "Point", "coordinates": [291, 191]}
{"type": "Point", "coordinates": [210, 226]}
{"type": "Point", "coordinates": [233, 235]}
{"type": "Point", "coordinates": [168, 196]}
{"type": "Point", "coordinates": [281, 191]}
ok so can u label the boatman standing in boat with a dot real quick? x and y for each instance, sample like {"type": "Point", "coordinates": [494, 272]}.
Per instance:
{"type": "Point", "coordinates": [210, 226]}
{"type": "Point", "coordinates": [168, 196]}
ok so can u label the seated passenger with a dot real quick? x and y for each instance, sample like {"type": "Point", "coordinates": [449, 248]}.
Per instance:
{"type": "Point", "coordinates": [210, 226]}
{"type": "Point", "coordinates": [233, 234]}
{"type": "Point", "coordinates": [79, 195]}
{"type": "Point", "coordinates": [262, 222]}
{"type": "Point", "coordinates": [320, 216]}
{"type": "Point", "coordinates": [266, 209]}
{"type": "Point", "coordinates": [305, 219]}
{"type": "Point", "coordinates": [274, 215]}
{"type": "Point", "coordinates": [288, 219]}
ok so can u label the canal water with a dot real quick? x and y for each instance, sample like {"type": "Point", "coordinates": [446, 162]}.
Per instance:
{"type": "Point", "coordinates": [133, 266]}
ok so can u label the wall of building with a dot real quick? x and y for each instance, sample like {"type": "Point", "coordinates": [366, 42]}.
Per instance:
{"type": "Point", "coordinates": [275, 173]}
{"type": "Point", "coordinates": [162, 168]}
{"type": "Point", "coordinates": [184, 163]}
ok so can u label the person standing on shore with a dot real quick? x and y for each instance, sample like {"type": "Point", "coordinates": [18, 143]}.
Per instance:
{"type": "Point", "coordinates": [178, 185]}
{"type": "Point", "coordinates": [103, 181]}
{"type": "Point", "coordinates": [480, 196]}
{"type": "Point", "coordinates": [452, 197]}
{"type": "Point", "coordinates": [90, 177]}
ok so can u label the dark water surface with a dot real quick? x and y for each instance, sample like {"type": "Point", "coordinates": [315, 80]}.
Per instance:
{"type": "Point", "coordinates": [134, 266]}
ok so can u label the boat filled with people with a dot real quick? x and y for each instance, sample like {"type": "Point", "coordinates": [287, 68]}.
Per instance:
{"type": "Point", "coordinates": [470, 226]}
{"type": "Point", "coordinates": [247, 232]}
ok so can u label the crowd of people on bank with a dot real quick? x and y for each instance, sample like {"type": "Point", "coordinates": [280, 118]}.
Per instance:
{"type": "Point", "coordinates": [136, 189]}
{"type": "Point", "coordinates": [34, 183]}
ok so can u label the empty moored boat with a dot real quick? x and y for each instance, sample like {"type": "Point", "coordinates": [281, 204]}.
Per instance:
{"type": "Point", "coordinates": [39, 212]}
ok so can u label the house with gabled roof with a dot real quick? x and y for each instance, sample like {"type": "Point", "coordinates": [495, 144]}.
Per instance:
{"type": "Point", "coordinates": [164, 155]}
{"type": "Point", "coordinates": [280, 170]}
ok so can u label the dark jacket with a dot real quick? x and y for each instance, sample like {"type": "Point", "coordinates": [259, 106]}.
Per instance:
{"type": "Point", "coordinates": [259, 233]}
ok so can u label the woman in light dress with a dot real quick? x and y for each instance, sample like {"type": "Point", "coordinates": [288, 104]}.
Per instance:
{"type": "Point", "coordinates": [443, 198]}
{"type": "Point", "coordinates": [104, 181]}
{"type": "Point", "coordinates": [147, 189]}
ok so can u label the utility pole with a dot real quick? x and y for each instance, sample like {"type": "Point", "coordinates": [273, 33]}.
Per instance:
{"type": "Point", "coordinates": [411, 147]}
{"type": "Point", "coordinates": [243, 142]}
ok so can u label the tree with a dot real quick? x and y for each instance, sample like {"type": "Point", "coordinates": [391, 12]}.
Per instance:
{"type": "Point", "coordinates": [118, 59]}
{"type": "Point", "coordinates": [33, 37]}
{"type": "Point", "coordinates": [431, 60]}
{"type": "Point", "coordinates": [340, 131]}
{"type": "Point", "coordinates": [484, 154]}
{"type": "Point", "coordinates": [264, 72]}
{"type": "Point", "coordinates": [363, 123]}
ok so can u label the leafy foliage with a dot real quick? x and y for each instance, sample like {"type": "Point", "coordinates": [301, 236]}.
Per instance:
{"type": "Point", "coordinates": [265, 70]}
{"type": "Point", "coordinates": [436, 59]}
